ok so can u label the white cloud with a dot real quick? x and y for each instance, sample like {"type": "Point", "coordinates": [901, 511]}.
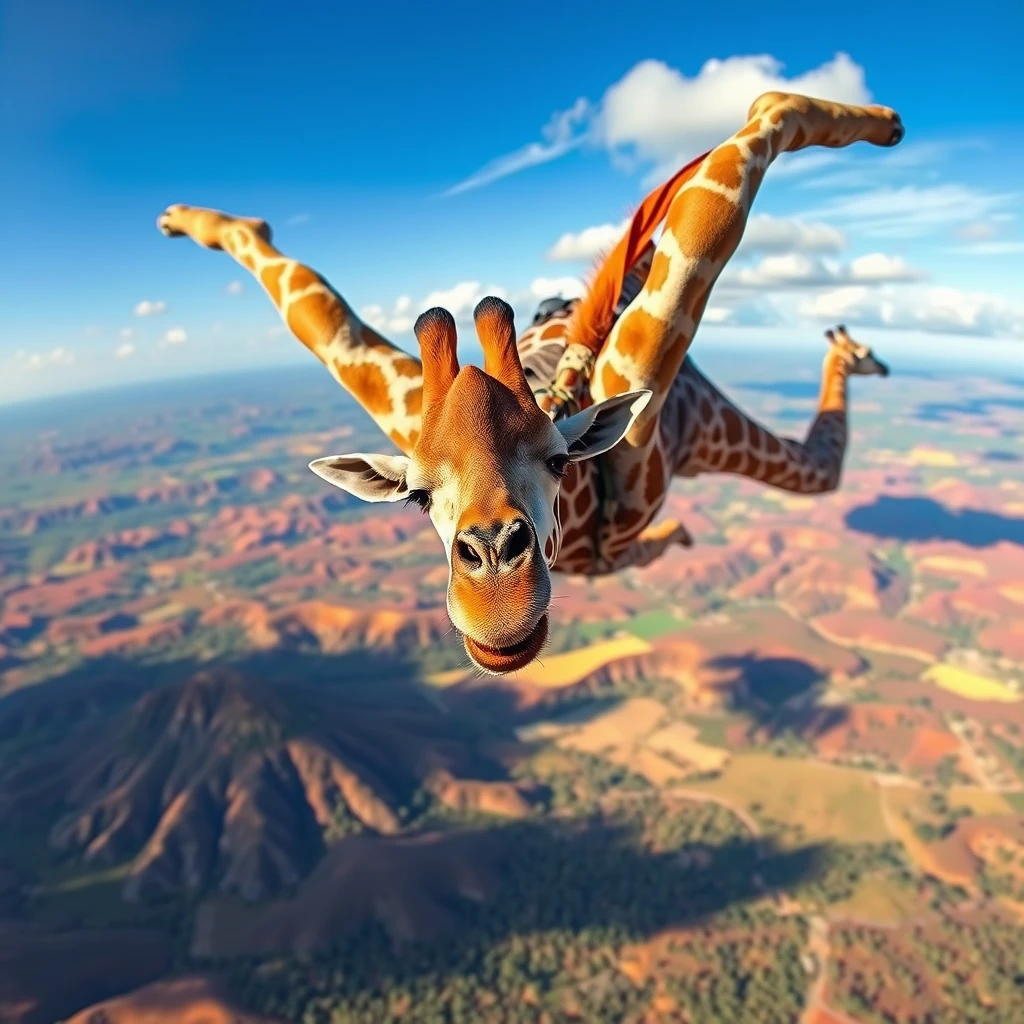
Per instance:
{"type": "Point", "coordinates": [234, 288]}
{"type": "Point", "coordinates": [460, 300]}
{"type": "Point", "coordinates": [798, 270]}
{"type": "Point", "coordinates": [150, 307]}
{"type": "Point", "coordinates": [765, 233]}
{"type": "Point", "coordinates": [126, 332]}
{"type": "Point", "coordinates": [658, 115]}
{"type": "Point", "coordinates": [563, 132]}
{"type": "Point", "coordinates": [727, 312]}
{"type": "Point", "coordinates": [92, 331]}
{"type": "Point", "coordinates": [59, 356]}
{"type": "Point", "coordinates": [548, 287]}
{"type": "Point", "coordinates": [296, 219]}
{"type": "Point", "coordinates": [587, 244]}
{"type": "Point", "coordinates": [125, 350]}
{"type": "Point", "coordinates": [938, 310]}
{"type": "Point", "coordinates": [911, 210]}
{"type": "Point", "coordinates": [176, 336]}
{"type": "Point", "coordinates": [664, 117]}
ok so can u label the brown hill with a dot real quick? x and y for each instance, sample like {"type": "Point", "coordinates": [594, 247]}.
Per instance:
{"type": "Point", "coordinates": [47, 975]}
{"type": "Point", "coordinates": [331, 627]}
{"type": "Point", "coordinates": [196, 999]}
{"type": "Point", "coordinates": [223, 779]}
{"type": "Point", "coordinates": [407, 884]}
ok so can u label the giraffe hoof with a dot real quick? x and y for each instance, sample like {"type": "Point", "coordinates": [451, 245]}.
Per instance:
{"type": "Point", "coordinates": [898, 131]}
{"type": "Point", "coordinates": [163, 223]}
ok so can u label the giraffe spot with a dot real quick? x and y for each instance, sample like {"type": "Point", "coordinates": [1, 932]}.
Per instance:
{"type": "Point", "coordinates": [772, 444]}
{"type": "Point", "coordinates": [574, 534]}
{"type": "Point", "coordinates": [647, 432]}
{"type": "Point", "coordinates": [404, 442]}
{"type": "Point", "coordinates": [612, 381]}
{"type": "Point", "coordinates": [756, 435]}
{"type": "Point", "coordinates": [724, 166]}
{"type": "Point", "coordinates": [247, 261]}
{"type": "Point", "coordinates": [799, 138]}
{"type": "Point", "coordinates": [367, 384]}
{"type": "Point", "coordinates": [705, 410]}
{"type": "Point", "coordinates": [705, 224]}
{"type": "Point", "coordinates": [628, 518]}
{"type": "Point", "coordinates": [271, 280]}
{"type": "Point", "coordinates": [751, 128]}
{"type": "Point", "coordinates": [553, 331]}
{"type": "Point", "coordinates": [414, 401]}
{"type": "Point", "coordinates": [405, 366]}
{"type": "Point", "coordinates": [659, 272]}
{"type": "Point", "coordinates": [581, 503]}
{"type": "Point", "coordinates": [637, 332]}
{"type": "Point", "coordinates": [732, 462]}
{"type": "Point", "coordinates": [758, 147]}
{"type": "Point", "coordinates": [655, 477]}
{"type": "Point", "coordinates": [733, 427]}
{"type": "Point", "coordinates": [314, 320]}
{"type": "Point", "coordinates": [669, 363]}
{"type": "Point", "coordinates": [716, 434]}
{"type": "Point", "coordinates": [302, 278]}
{"type": "Point", "coordinates": [702, 453]}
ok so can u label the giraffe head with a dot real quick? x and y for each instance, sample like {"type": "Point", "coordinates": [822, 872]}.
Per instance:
{"type": "Point", "coordinates": [859, 358]}
{"type": "Point", "coordinates": [486, 468]}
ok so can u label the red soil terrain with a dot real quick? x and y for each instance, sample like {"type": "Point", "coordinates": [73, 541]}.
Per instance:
{"type": "Point", "coordinates": [910, 738]}
{"type": "Point", "coordinates": [876, 632]}
{"type": "Point", "coordinates": [194, 999]}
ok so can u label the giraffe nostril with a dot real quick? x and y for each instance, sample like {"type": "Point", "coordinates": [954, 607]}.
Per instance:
{"type": "Point", "coordinates": [518, 542]}
{"type": "Point", "coordinates": [468, 554]}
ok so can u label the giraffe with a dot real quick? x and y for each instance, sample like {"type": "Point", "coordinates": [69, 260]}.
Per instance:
{"type": "Point", "coordinates": [516, 492]}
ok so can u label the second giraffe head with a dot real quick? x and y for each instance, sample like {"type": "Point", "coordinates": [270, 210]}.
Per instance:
{"type": "Point", "coordinates": [486, 468]}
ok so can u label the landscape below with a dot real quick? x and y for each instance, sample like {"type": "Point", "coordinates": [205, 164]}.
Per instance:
{"type": "Point", "coordinates": [247, 775]}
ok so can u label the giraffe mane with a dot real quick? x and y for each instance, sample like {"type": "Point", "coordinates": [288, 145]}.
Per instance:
{"type": "Point", "coordinates": [594, 315]}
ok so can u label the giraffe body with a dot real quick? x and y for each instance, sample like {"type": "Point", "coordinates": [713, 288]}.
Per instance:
{"type": "Point", "coordinates": [513, 494]}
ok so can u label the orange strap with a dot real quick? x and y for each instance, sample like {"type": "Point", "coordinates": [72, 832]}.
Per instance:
{"type": "Point", "coordinates": [595, 314]}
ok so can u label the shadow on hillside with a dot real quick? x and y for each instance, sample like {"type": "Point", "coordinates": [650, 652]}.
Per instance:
{"type": "Point", "coordinates": [589, 883]}
{"type": "Point", "coordinates": [923, 519]}
{"type": "Point", "coordinates": [777, 694]}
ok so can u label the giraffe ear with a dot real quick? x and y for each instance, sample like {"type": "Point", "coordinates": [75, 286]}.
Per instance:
{"type": "Point", "coordinates": [602, 426]}
{"type": "Point", "coordinates": [370, 477]}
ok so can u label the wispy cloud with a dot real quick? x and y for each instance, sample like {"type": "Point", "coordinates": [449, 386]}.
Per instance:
{"type": "Point", "coordinates": [296, 219]}
{"type": "Point", "coordinates": [911, 210]}
{"type": "Point", "coordinates": [234, 288]}
{"type": "Point", "coordinates": [657, 115]}
{"type": "Point", "coordinates": [564, 132]}
{"type": "Point", "coordinates": [125, 350]}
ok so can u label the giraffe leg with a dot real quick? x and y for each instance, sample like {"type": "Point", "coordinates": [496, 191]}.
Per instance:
{"type": "Point", "coordinates": [648, 546]}
{"type": "Point", "coordinates": [384, 380]}
{"type": "Point", "coordinates": [703, 227]}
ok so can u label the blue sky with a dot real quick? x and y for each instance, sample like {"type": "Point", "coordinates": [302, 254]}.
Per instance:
{"type": "Point", "coordinates": [436, 153]}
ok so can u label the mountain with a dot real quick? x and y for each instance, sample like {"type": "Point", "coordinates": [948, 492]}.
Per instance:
{"type": "Point", "coordinates": [229, 780]}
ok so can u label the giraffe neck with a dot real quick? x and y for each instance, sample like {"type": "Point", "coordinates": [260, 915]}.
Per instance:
{"type": "Point", "coordinates": [834, 375]}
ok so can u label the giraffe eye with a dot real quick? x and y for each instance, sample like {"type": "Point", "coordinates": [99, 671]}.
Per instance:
{"type": "Point", "coordinates": [420, 497]}
{"type": "Point", "coordinates": [558, 464]}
